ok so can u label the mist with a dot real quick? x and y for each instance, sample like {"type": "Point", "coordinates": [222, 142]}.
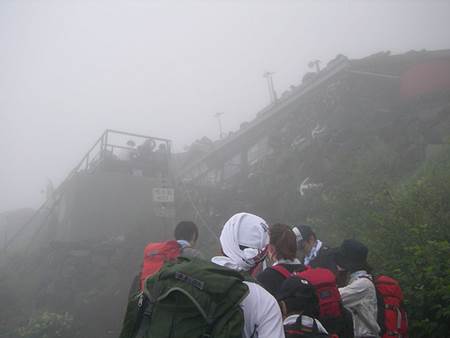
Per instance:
{"type": "Point", "coordinates": [69, 70]}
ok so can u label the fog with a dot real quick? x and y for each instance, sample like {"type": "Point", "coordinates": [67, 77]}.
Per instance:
{"type": "Point", "coordinates": [71, 69]}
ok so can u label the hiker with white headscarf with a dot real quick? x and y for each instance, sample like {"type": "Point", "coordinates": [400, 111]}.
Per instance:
{"type": "Point", "coordinates": [244, 241]}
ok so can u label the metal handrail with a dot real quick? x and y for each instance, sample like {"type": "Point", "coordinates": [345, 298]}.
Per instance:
{"type": "Point", "coordinates": [136, 135]}
{"type": "Point", "coordinates": [103, 141]}
{"type": "Point", "coordinates": [87, 159]}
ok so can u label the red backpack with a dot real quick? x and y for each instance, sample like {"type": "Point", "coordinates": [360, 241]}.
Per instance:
{"type": "Point", "coordinates": [392, 316]}
{"type": "Point", "coordinates": [324, 282]}
{"type": "Point", "coordinates": [155, 255]}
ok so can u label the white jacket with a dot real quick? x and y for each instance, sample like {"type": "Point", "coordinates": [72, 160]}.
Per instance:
{"type": "Point", "coordinates": [359, 296]}
{"type": "Point", "coordinates": [262, 315]}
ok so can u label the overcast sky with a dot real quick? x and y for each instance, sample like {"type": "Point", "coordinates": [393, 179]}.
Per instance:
{"type": "Point", "coordinates": [70, 69]}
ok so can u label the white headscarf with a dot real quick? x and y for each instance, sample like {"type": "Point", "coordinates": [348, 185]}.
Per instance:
{"type": "Point", "coordinates": [249, 231]}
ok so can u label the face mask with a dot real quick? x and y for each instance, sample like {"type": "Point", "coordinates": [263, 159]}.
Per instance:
{"type": "Point", "coordinates": [254, 256]}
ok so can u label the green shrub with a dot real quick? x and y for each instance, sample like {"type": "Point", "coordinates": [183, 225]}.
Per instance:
{"type": "Point", "coordinates": [425, 277]}
{"type": "Point", "coordinates": [47, 325]}
{"type": "Point", "coordinates": [407, 229]}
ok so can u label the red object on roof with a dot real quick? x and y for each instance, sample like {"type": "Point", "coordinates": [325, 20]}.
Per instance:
{"type": "Point", "coordinates": [425, 78]}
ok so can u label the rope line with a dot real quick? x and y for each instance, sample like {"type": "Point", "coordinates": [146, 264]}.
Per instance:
{"type": "Point", "coordinates": [205, 224]}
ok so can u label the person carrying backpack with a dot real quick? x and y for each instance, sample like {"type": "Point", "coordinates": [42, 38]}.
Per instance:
{"type": "Point", "coordinates": [300, 308]}
{"type": "Point", "coordinates": [315, 252]}
{"type": "Point", "coordinates": [190, 297]}
{"type": "Point", "coordinates": [337, 320]}
{"type": "Point", "coordinates": [244, 241]}
{"type": "Point", "coordinates": [186, 235]}
{"type": "Point", "coordinates": [156, 254]}
{"type": "Point", "coordinates": [281, 251]}
{"type": "Point", "coordinates": [334, 316]}
{"type": "Point", "coordinates": [359, 296]}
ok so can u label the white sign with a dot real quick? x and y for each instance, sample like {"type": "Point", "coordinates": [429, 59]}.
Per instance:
{"type": "Point", "coordinates": [298, 141]}
{"type": "Point", "coordinates": [163, 195]}
{"type": "Point", "coordinates": [305, 186]}
{"type": "Point", "coordinates": [317, 131]}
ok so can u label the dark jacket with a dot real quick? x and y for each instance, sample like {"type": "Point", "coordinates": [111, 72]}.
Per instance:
{"type": "Point", "coordinates": [325, 259]}
{"type": "Point", "coordinates": [271, 279]}
{"type": "Point", "coordinates": [342, 326]}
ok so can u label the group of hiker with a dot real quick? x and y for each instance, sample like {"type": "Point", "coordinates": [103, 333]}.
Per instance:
{"type": "Point", "coordinates": [151, 158]}
{"type": "Point", "coordinates": [269, 282]}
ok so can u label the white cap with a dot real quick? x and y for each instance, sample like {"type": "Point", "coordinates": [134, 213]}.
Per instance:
{"type": "Point", "coordinates": [246, 230]}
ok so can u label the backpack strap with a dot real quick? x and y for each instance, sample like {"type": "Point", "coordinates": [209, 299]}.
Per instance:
{"type": "Point", "coordinates": [144, 315]}
{"type": "Point", "coordinates": [281, 270]}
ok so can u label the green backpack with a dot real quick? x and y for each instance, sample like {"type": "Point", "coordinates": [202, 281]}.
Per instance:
{"type": "Point", "coordinates": [188, 298]}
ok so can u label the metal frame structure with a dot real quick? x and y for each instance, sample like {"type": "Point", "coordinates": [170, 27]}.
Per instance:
{"type": "Point", "coordinates": [103, 144]}
{"type": "Point", "coordinates": [100, 147]}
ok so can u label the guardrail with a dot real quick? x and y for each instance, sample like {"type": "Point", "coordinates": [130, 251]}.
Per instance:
{"type": "Point", "coordinates": [104, 145]}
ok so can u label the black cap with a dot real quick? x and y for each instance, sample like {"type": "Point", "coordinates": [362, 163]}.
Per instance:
{"type": "Point", "coordinates": [352, 255]}
{"type": "Point", "coordinates": [298, 295]}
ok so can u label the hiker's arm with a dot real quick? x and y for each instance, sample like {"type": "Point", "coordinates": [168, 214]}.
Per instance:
{"type": "Point", "coordinates": [271, 323]}
{"type": "Point", "coordinates": [353, 293]}
{"type": "Point", "coordinates": [262, 314]}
